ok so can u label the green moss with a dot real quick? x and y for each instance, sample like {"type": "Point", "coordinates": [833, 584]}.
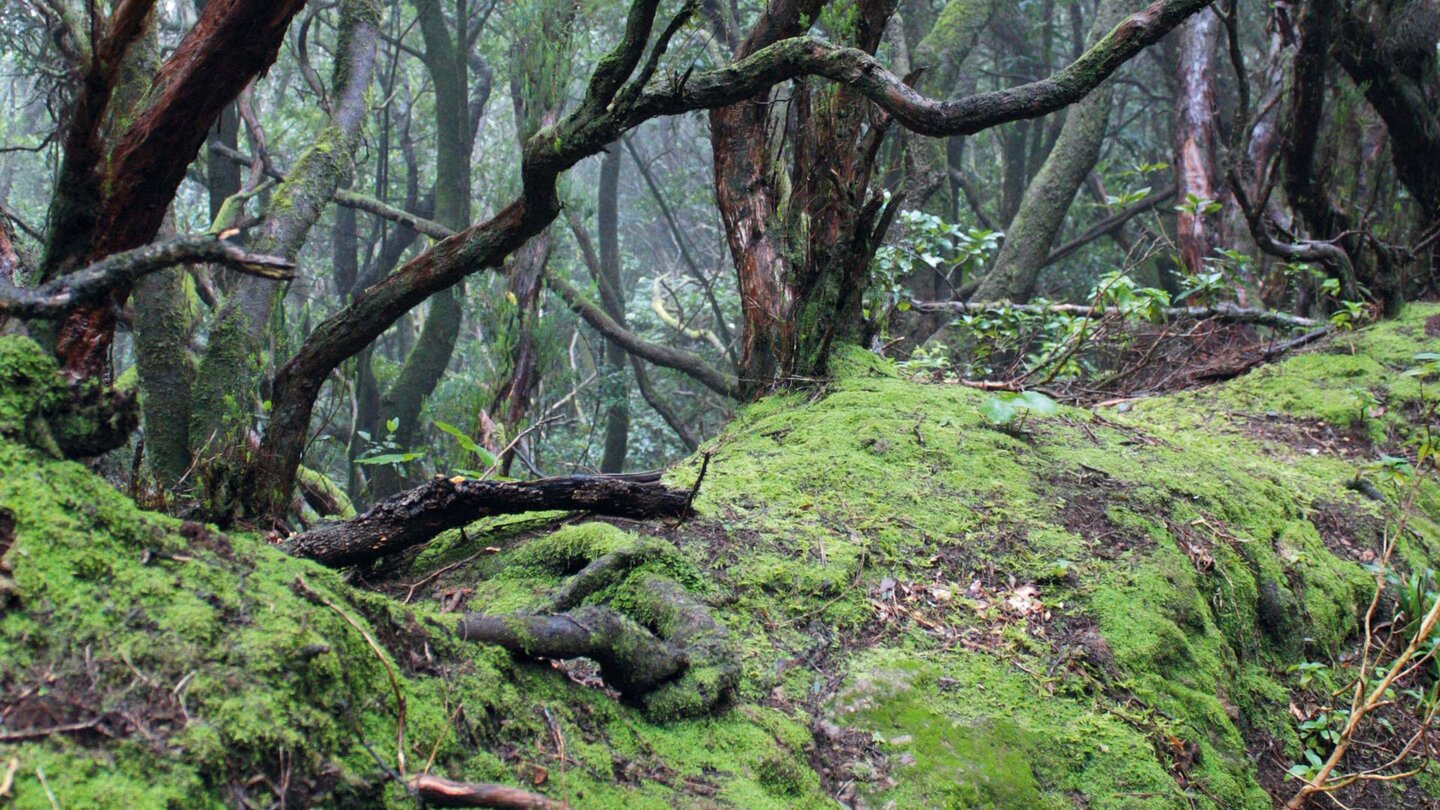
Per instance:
{"type": "Point", "coordinates": [864, 547]}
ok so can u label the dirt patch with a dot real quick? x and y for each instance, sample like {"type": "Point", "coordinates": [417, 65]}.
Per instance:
{"type": "Point", "coordinates": [1087, 496]}
{"type": "Point", "coordinates": [1347, 531]}
{"type": "Point", "coordinates": [1432, 326]}
{"type": "Point", "coordinates": [844, 758]}
{"type": "Point", "coordinates": [1306, 435]}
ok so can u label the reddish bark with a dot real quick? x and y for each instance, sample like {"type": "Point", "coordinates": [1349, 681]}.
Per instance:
{"type": "Point", "coordinates": [233, 41]}
{"type": "Point", "coordinates": [1195, 135]}
{"type": "Point", "coordinates": [827, 263]}
{"type": "Point", "coordinates": [9, 259]}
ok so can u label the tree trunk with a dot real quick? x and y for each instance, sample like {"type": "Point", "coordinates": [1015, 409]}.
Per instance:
{"type": "Point", "coordinates": [1047, 199]}
{"type": "Point", "coordinates": [447, 61]}
{"type": "Point", "coordinates": [231, 367]}
{"type": "Point", "coordinates": [1393, 60]}
{"type": "Point", "coordinates": [537, 87]}
{"type": "Point", "coordinates": [99, 211]}
{"type": "Point", "coordinates": [801, 272]}
{"type": "Point", "coordinates": [616, 390]}
{"type": "Point", "coordinates": [1195, 136]}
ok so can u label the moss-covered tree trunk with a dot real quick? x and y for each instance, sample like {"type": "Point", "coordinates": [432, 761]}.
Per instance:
{"type": "Point", "coordinates": [1041, 214]}
{"type": "Point", "coordinates": [537, 87]}
{"type": "Point", "coordinates": [233, 362]}
{"type": "Point", "coordinates": [617, 383]}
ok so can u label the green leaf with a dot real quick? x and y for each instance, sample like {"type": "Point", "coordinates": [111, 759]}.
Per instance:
{"type": "Point", "coordinates": [1036, 402]}
{"type": "Point", "coordinates": [390, 458]}
{"type": "Point", "coordinates": [997, 411]}
{"type": "Point", "coordinates": [392, 424]}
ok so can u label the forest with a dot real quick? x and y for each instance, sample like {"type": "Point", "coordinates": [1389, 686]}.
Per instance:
{"type": "Point", "coordinates": [874, 404]}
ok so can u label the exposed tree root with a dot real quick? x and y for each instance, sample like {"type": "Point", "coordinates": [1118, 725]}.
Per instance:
{"type": "Point", "coordinates": [417, 515]}
{"type": "Point", "coordinates": [632, 659]}
{"type": "Point", "coordinates": [679, 663]}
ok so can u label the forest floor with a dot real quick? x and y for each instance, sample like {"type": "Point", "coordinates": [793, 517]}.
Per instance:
{"type": "Point", "coordinates": [1098, 609]}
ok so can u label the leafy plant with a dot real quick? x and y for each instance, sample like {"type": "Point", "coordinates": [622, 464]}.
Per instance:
{"type": "Point", "coordinates": [387, 450]}
{"type": "Point", "coordinates": [1126, 198]}
{"type": "Point", "coordinates": [1197, 206]}
{"type": "Point", "coordinates": [1205, 287]}
{"type": "Point", "coordinates": [1004, 408]}
{"type": "Point", "coordinates": [487, 459]}
{"type": "Point", "coordinates": [1349, 315]}
{"type": "Point", "coordinates": [1119, 290]}
{"type": "Point", "coordinates": [950, 250]}
{"type": "Point", "coordinates": [931, 360]}
{"type": "Point", "coordinates": [1367, 403]}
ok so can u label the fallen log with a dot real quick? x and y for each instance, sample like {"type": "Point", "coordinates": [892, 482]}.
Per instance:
{"type": "Point", "coordinates": [417, 515]}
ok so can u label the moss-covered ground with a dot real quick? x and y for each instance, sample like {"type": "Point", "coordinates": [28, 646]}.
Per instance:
{"type": "Point", "coordinates": [1095, 609]}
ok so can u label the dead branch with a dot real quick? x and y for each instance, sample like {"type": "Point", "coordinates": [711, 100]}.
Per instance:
{"type": "Point", "coordinates": [91, 284]}
{"type": "Point", "coordinates": [449, 793]}
{"type": "Point", "coordinates": [419, 514]}
{"type": "Point", "coordinates": [1109, 225]}
{"type": "Point", "coordinates": [683, 361]}
{"type": "Point", "coordinates": [1229, 313]}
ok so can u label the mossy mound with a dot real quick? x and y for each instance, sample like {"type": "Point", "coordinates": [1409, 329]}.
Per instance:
{"type": "Point", "coordinates": [1100, 610]}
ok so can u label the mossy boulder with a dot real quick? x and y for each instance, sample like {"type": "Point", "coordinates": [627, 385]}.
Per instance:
{"type": "Point", "coordinates": [1101, 610]}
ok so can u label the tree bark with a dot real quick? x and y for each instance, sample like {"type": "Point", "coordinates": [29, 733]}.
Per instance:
{"type": "Point", "coordinates": [231, 43]}
{"type": "Point", "coordinates": [1195, 136]}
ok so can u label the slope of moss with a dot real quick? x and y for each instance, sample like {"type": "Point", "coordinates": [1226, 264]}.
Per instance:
{"type": "Point", "coordinates": [1097, 610]}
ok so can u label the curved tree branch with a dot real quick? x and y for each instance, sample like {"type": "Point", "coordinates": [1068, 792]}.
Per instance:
{"type": "Point", "coordinates": [801, 56]}
{"type": "Point", "coordinates": [683, 361]}
{"type": "Point", "coordinates": [63, 295]}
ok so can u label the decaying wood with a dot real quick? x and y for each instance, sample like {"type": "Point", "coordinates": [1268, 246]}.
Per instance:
{"type": "Point", "coordinates": [449, 793]}
{"type": "Point", "coordinates": [417, 515]}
